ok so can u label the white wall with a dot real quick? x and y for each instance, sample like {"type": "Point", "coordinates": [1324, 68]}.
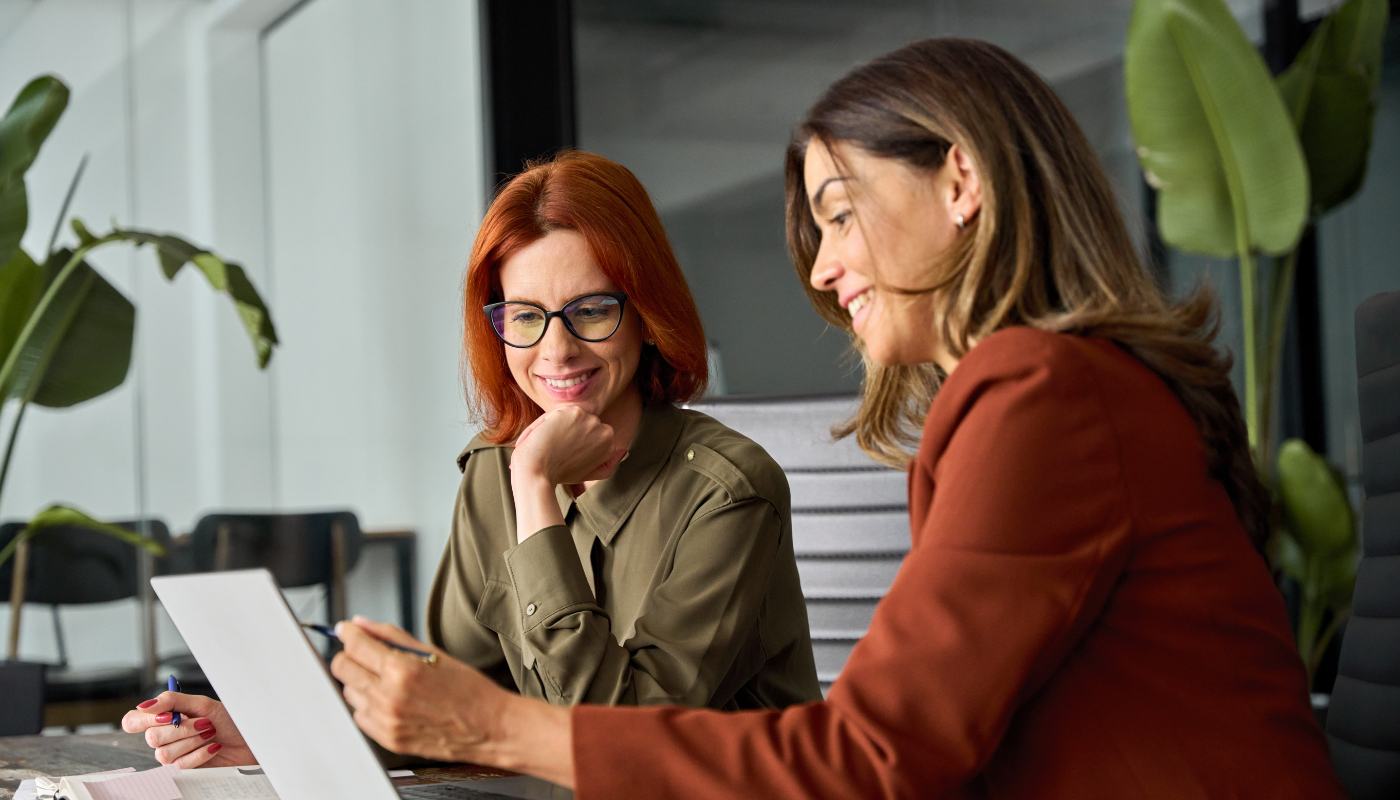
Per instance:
{"type": "Point", "coordinates": [352, 203]}
{"type": "Point", "coordinates": [373, 119]}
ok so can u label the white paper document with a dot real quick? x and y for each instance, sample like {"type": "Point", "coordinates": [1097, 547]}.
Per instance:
{"type": "Point", "coordinates": [164, 783]}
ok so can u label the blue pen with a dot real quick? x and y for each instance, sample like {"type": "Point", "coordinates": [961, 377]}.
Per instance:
{"type": "Point", "coordinates": [425, 657]}
{"type": "Point", "coordinates": [174, 686]}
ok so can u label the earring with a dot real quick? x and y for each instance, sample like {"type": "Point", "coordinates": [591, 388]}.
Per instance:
{"type": "Point", "coordinates": [961, 221]}
{"type": "Point", "coordinates": [650, 342]}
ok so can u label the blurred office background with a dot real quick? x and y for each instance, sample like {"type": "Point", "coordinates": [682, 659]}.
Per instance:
{"type": "Point", "coordinates": [344, 151]}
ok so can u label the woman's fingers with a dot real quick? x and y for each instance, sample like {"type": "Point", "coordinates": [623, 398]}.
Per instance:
{"type": "Point", "coordinates": [605, 470]}
{"type": "Point", "coordinates": [157, 710]}
{"type": "Point", "coordinates": [197, 757]}
{"type": "Point", "coordinates": [390, 633]}
{"type": "Point", "coordinates": [353, 675]}
{"type": "Point", "coordinates": [172, 752]}
{"type": "Point", "coordinates": [162, 735]}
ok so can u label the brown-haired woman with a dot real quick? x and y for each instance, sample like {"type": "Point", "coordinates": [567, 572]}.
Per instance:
{"type": "Point", "coordinates": [1084, 612]}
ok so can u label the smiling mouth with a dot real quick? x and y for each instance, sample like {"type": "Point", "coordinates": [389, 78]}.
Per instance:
{"type": "Point", "coordinates": [860, 301]}
{"type": "Point", "coordinates": [566, 383]}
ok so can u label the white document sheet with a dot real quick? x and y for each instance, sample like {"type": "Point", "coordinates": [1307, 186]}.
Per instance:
{"type": "Point", "coordinates": [223, 783]}
{"type": "Point", "coordinates": [274, 685]}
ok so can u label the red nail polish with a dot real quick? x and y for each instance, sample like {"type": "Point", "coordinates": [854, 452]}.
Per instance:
{"type": "Point", "coordinates": [163, 717]}
{"type": "Point", "coordinates": [209, 734]}
{"type": "Point", "coordinates": [214, 748]}
{"type": "Point", "coordinates": [148, 703]}
{"type": "Point", "coordinates": [203, 724]}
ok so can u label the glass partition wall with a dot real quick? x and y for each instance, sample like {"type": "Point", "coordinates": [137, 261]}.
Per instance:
{"type": "Point", "coordinates": [699, 100]}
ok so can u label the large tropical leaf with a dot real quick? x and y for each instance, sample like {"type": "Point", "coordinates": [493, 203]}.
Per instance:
{"type": "Point", "coordinates": [23, 130]}
{"type": "Point", "coordinates": [224, 276]}
{"type": "Point", "coordinates": [64, 516]}
{"type": "Point", "coordinates": [21, 281]}
{"type": "Point", "coordinates": [1329, 90]}
{"type": "Point", "coordinates": [80, 346]}
{"type": "Point", "coordinates": [1212, 133]}
{"type": "Point", "coordinates": [1316, 509]}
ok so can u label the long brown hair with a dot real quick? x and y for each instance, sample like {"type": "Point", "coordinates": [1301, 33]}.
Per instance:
{"type": "Point", "coordinates": [1048, 248]}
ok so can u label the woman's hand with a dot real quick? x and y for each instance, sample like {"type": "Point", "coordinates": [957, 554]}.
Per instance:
{"type": "Point", "coordinates": [206, 737]}
{"type": "Point", "coordinates": [565, 446]}
{"type": "Point", "coordinates": [447, 711]}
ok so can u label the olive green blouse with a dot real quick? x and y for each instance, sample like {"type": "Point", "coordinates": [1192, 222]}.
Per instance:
{"type": "Point", "coordinates": [673, 581]}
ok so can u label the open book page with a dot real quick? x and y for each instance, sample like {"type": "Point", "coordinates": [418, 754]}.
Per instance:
{"type": "Point", "coordinates": [45, 788]}
{"type": "Point", "coordinates": [223, 783]}
{"type": "Point", "coordinates": [153, 784]}
{"type": "Point", "coordinates": [168, 783]}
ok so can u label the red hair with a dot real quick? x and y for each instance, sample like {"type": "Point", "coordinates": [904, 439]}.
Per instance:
{"type": "Point", "coordinates": [606, 204]}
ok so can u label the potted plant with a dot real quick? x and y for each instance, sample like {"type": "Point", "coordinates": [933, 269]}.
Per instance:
{"type": "Point", "coordinates": [66, 333]}
{"type": "Point", "coordinates": [1243, 163]}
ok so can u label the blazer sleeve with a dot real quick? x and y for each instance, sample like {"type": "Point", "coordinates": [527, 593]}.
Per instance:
{"type": "Point", "coordinates": [1025, 534]}
{"type": "Point", "coordinates": [687, 638]}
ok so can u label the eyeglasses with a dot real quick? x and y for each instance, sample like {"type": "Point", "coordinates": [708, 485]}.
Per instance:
{"type": "Point", "coordinates": [592, 318]}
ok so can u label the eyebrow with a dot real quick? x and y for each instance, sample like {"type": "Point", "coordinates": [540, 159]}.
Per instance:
{"type": "Point", "coordinates": [817, 198]}
{"type": "Point", "coordinates": [542, 305]}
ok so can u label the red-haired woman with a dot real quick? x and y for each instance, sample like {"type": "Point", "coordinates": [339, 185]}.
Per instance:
{"type": "Point", "coordinates": [607, 546]}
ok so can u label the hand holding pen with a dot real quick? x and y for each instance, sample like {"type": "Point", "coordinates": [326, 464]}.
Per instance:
{"type": "Point", "coordinates": [173, 685]}
{"type": "Point", "coordinates": [424, 656]}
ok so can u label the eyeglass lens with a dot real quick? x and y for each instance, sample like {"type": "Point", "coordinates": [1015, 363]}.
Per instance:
{"type": "Point", "coordinates": [592, 318]}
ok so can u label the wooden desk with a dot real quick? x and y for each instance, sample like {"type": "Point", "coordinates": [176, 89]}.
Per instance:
{"type": "Point", "coordinates": [24, 757]}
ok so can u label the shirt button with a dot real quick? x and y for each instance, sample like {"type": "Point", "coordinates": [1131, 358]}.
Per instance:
{"type": "Point", "coordinates": [690, 455]}
{"type": "Point", "coordinates": [530, 610]}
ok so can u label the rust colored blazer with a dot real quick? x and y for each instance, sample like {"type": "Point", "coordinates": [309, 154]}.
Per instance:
{"type": "Point", "coordinates": [1081, 616]}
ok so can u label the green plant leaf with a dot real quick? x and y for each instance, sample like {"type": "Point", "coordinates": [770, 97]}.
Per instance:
{"type": "Point", "coordinates": [224, 276]}
{"type": "Point", "coordinates": [1330, 90]}
{"type": "Point", "coordinates": [23, 129]}
{"type": "Point", "coordinates": [63, 516]}
{"type": "Point", "coordinates": [1212, 132]}
{"type": "Point", "coordinates": [80, 347]}
{"type": "Point", "coordinates": [1290, 557]}
{"type": "Point", "coordinates": [1316, 510]}
{"type": "Point", "coordinates": [21, 281]}
{"type": "Point", "coordinates": [1356, 39]}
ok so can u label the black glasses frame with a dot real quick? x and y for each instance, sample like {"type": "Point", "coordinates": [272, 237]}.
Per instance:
{"type": "Point", "coordinates": [620, 297]}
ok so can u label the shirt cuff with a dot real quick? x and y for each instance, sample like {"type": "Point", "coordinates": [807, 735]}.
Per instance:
{"type": "Point", "coordinates": [547, 575]}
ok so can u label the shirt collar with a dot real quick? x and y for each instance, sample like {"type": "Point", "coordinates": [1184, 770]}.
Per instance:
{"type": "Point", "coordinates": [609, 503]}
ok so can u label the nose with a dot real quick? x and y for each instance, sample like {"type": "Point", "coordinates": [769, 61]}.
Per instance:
{"type": "Point", "coordinates": [558, 345]}
{"type": "Point", "coordinates": [826, 271]}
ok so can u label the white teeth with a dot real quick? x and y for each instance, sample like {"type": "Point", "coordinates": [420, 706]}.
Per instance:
{"type": "Point", "coordinates": [860, 301]}
{"type": "Point", "coordinates": [566, 383]}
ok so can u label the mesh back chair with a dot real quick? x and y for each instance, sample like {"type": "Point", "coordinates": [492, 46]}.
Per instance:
{"type": "Point", "coordinates": [75, 566]}
{"type": "Point", "coordinates": [298, 549]}
{"type": "Point", "coordinates": [850, 515]}
{"type": "Point", "coordinates": [1363, 722]}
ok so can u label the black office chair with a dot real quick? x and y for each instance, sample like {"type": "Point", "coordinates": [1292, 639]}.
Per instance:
{"type": "Point", "coordinates": [71, 566]}
{"type": "Point", "coordinates": [22, 686]}
{"type": "Point", "coordinates": [298, 549]}
{"type": "Point", "coordinates": [1363, 722]}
